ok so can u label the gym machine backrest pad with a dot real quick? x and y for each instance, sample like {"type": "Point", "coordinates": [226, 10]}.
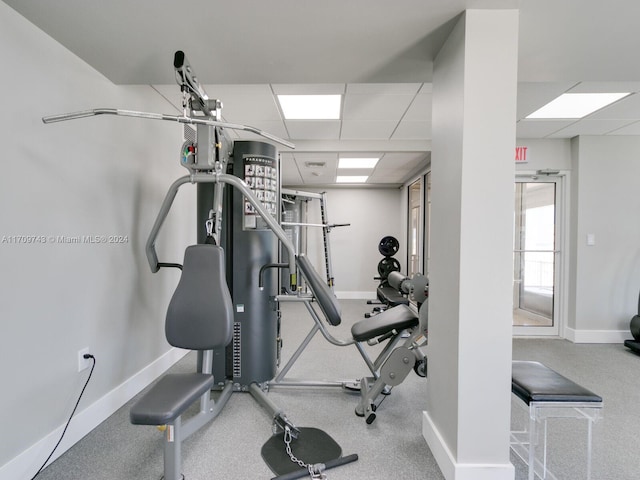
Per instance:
{"type": "Point", "coordinates": [200, 314]}
{"type": "Point", "coordinates": [326, 299]}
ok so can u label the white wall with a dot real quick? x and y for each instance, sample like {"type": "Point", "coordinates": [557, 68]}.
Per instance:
{"type": "Point", "coordinates": [97, 176]}
{"type": "Point", "coordinates": [605, 277]}
{"type": "Point", "coordinates": [373, 214]}
{"type": "Point", "coordinates": [554, 154]}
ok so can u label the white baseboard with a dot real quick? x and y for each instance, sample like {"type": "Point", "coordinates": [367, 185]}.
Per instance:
{"type": "Point", "coordinates": [25, 465]}
{"type": "Point", "coordinates": [356, 295]}
{"type": "Point", "coordinates": [596, 336]}
{"type": "Point", "coordinates": [453, 470]}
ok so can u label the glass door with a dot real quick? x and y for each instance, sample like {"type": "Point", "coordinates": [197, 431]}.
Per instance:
{"type": "Point", "coordinates": [535, 254]}
{"type": "Point", "coordinates": [416, 226]}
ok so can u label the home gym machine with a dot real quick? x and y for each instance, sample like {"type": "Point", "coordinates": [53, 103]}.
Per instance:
{"type": "Point", "coordinates": [241, 352]}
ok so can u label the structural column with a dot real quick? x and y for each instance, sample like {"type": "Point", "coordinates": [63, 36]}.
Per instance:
{"type": "Point", "coordinates": [466, 423]}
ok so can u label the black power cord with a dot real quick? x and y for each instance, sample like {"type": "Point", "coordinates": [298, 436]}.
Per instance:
{"type": "Point", "coordinates": [86, 356]}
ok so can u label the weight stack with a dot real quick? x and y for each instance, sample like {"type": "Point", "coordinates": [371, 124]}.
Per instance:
{"type": "Point", "coordinates": [249, 244]}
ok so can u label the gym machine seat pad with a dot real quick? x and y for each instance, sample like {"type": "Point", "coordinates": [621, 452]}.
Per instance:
{"type": "Point", "coordinates": [396, 318]}
{"type": "Point", "coordinates": [172, 395]}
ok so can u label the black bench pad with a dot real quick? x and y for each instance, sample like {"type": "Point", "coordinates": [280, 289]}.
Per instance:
{"type": "Point", "coordinates": [398, 318]}
{"type": "Point", "coordinates": [535, 382]}
{"type": "Point", "coordinates": [169, 398]}
{"type": "Point", "coordinates": [390, 296]}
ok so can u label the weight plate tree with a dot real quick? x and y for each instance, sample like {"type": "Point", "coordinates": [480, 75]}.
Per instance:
{"type": "Point", "coordinates": [388, 247]}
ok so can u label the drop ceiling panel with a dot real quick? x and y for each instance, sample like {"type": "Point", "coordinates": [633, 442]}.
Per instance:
{"type": "Point", "coordinates": [387, 176]}
{"type": "Point", "coordinates": [375, 106]}
{"type": "Point", "coordinates": [420, 109]}
{"type": "Point", "coordinates": [393, 158]}
{"type": "Point", "coordinates": [533, 95]}
{"type": "Point", "coordinates": [270, 126]}
{"type": "Point", "coordinates": [240, 103]}
{"type": "Point", "coordinates": [400, 170]}
{"type": "Point", "coordinates": [606, 87]}
{"type": "Point", "coordinates": [313, 129]}
{"type": "Point", "coordinates": [589, 127]}
{"type": "Point", "coordinates": [363, 130]}
{"type": "Point", "coordinates": [631, 129]}
{"type": "Point", "coordinates": [383, 88]}
{"type": "Point", "coordinates": [330, 161]}
{"type": "Point", "coordinates": [412, 131]}
{"type": "Point", "coordinates": [318, 178]}
{"type": "Point", "coordinates": [627, 108]}
{"type": "Point", "coordinates": [540, 128]}
{"type": "Point", "coordinates": [241, 107]}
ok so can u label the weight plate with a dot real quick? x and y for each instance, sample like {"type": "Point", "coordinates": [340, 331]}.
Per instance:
{"type": "Point", "coordinates": [388, 246]}
{"type": "Point", "coordinates": [386, 266]}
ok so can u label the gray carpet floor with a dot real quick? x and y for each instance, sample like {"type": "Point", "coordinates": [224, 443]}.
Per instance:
{"type": "Point", "coordinates": [393, 446]}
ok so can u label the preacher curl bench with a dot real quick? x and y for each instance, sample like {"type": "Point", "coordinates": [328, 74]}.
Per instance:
{"type": "Point", "coordinates": [403, 331]}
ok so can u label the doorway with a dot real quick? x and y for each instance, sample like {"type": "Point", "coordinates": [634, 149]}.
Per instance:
{"type": "Point", "coordinates": [536, 255]}
{"type": "Point", "coordinates": [416, 228]}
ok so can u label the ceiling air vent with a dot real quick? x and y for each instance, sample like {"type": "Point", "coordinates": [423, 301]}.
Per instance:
{"type": "Point", "coordinates": [315, 164]}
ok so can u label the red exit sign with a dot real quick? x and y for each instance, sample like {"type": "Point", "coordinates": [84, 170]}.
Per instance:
{"type": "Point", "coordinates": [521, 154]}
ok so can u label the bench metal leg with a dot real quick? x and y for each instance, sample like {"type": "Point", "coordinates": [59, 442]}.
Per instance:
{"type": "Point", "coordinates": [589, 434]}
{"type": "Point", "coordinates": [172, 451]}
{"type": "Point", "coordinates": [532, 444]}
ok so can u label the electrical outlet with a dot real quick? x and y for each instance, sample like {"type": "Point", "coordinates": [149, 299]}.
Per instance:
{"type": "Point", "coordinates": [83, 363]}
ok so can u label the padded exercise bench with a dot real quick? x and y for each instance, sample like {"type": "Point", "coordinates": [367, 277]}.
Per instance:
{"type": "Point", "coordinates": [400, 354]}
{"type": "Point", "coordinates": [199, 317]}
{"type": "Point", "coordinates": [549, 395]}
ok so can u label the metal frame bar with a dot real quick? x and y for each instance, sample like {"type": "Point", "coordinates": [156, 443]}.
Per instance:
{"type": "Point", "coordinates": [162, 116]}
{"type": "Point", "coordinates": [524, 443]}
{"type": "Point", "coordinates": [177, 431]}
{"type": "Point", "coordinates": [234, 181]}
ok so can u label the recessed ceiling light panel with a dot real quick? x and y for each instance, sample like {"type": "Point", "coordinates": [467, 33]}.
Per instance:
{"type": "Point", "coordinates": [357, 162]}
{"type": "Point", "coordinates": [310, 107]}
{"type": "Point", "coordinates": [576, 105]}
{"type": "Point", "coordinates": [351, 178]}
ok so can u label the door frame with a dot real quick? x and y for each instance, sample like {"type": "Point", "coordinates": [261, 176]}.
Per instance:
{"type": "Point", "coordinates": [561, 268]}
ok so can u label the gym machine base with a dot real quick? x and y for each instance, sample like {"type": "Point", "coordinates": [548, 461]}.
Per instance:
{"type": "Point", "coordinates": [218, 309]}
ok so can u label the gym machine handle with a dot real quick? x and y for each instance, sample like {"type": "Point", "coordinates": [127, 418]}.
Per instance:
{"type": "Point", "coordinates": [235, 182]}
{"type": "Point", "coordinates": [161, 116]}
{"type": "Point", "coordinates": [265, 267]}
